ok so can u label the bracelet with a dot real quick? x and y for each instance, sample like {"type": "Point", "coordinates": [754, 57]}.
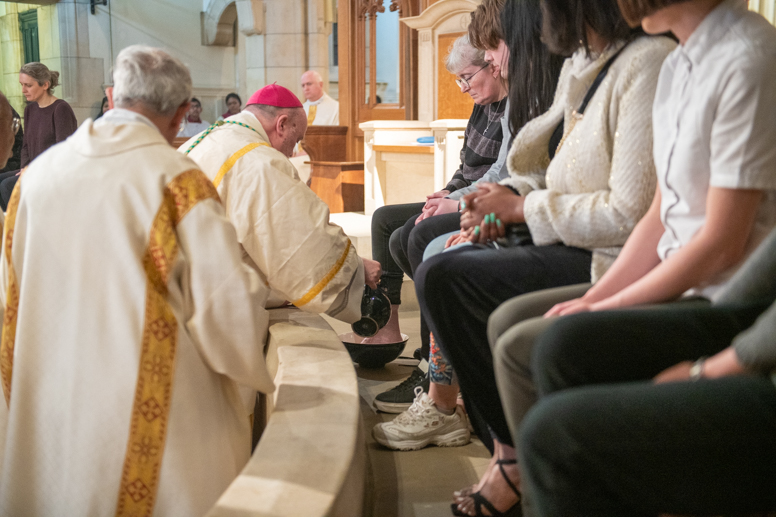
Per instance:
{"type": "Point", "coordinates": [696, 370]}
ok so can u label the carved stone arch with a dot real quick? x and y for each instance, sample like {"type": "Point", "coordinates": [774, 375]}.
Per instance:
{"type": "Point", "coordinates": [218, 21]}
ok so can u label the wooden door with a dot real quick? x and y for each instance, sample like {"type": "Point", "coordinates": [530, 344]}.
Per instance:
{"type": "Point", "coordinates": [361, 56]}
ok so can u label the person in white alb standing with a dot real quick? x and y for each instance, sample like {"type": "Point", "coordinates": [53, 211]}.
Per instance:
{"type": "Point", "coordinates": [321, 110]}
{"type": "Point", "coordinates": [193, 123]}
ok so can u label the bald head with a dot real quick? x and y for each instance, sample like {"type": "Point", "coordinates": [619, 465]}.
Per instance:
{"type": "Point", "coordinates": [312, 85]}
{"type": "Point", "coordinates": [284, 126]}
{"type": "Point", "coordinates": [6, 133]}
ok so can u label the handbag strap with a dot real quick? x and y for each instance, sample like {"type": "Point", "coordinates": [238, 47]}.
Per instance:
{"type": "Point", "coordinates": [557, 136]}
{"type": "Point", "coordinates": [599, 79]}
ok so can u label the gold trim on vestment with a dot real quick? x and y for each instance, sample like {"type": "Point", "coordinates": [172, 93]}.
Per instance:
{"type": "Point", "coordinates": [8, 339]}
{"type": "Point", "coordinates": [317, 288]}
{"type": "Point", "coordinates": [153, 392]}
{"type": "Point", "coordinates": [226, 167]}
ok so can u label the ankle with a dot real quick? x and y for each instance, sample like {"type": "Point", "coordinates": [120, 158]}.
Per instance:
{"type": "Point", "coordinates": [444, 408]}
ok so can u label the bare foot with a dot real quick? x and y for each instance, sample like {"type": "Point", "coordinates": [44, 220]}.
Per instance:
{"type": "Point", "coordinates": [460, 496]}
{"type": "Point", "coordinates": [390, 333]}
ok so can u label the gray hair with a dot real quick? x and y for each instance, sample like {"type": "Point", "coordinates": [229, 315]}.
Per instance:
{"type": "Point", "coordinates": [151, 77]}
{"type": "Point", "coordinates": [42, 75]}
{"type": "Point", "coordinates": [463, 54]}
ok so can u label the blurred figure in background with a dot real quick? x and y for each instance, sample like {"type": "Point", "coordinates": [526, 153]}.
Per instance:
{"type": "Point", "coordinates": [233, 105]}
{"type": "Point", "coordinates": [193, 124]}
{"type": "Point", "coordinates": [47, 119]}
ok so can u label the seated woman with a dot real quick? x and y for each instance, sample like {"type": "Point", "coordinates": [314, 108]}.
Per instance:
{"type": "Point", "coordinates": [716, 201]}
{"type": "Point", "coordinates": [578, 213]}
{"type": "Point", "coordinates": [527, 99]}
{"type": "Point", "coordinates": [47, 120]}
{"type": "Point", "coordinates": [481, 146]}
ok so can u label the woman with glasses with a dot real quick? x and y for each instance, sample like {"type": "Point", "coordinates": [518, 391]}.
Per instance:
{"type": "Point", "coordinates": [48, 120]}
{"type": "Point", "coordinates": [481, 146]}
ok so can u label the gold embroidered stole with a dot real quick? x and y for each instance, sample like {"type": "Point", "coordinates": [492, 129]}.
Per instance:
{"type": "Point", "coordinates": [311, 115]}
{"type": "Point", "coordinates": [153, 393]}
{"type": "Point", "coordinates": [227, 166]}
{"type": "Point", "coordinates": [321, 285]}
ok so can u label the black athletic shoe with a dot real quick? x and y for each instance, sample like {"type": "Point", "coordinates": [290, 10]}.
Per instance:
{"type": "Point", "coordinates": [399, 399]}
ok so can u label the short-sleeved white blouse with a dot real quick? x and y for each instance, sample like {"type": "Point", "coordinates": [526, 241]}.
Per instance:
{"type": "Point", "coordinates": [714, 120]}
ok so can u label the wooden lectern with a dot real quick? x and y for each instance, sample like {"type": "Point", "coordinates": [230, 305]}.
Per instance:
{"type": "Point", "coordinates": [340, 184]}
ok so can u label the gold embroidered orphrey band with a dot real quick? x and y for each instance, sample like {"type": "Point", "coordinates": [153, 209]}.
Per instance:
{"type": "Point", "coordinates": [11, 299]}
{"type": "Point", "coordinates": [153, 393]}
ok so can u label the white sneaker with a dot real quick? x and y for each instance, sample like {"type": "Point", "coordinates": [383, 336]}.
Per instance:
{"type": "Point", "coordinates": [421, 425]}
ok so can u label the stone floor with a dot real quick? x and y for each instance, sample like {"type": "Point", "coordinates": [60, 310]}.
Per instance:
{"type": "Point", "coordinates": [410, 484]}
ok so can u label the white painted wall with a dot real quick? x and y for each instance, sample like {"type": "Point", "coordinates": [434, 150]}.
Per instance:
{"type": "Point", "coordinates": [173, 25]}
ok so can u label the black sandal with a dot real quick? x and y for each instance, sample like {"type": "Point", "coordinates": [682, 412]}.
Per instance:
{"type": "Point", "coordinates": [479, 500]}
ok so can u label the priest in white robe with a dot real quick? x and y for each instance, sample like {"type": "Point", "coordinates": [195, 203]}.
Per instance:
{"type": "Point", "coordinates": [282, 225]}
{"type": "Point", "coordinates": [320, 108]}
{"type": "Point", "coordinates": [130, 320]}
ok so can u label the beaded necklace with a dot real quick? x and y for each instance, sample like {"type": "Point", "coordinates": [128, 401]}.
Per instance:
{"type": "Point", "coordinates": [218, 123]}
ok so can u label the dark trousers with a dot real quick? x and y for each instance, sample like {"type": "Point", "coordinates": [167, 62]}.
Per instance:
{"type": "Point", "coordinates": [457, 292]}
{"type": "Point", "coordinates": [385, 221]}
{"type": "Point", "coordinates": [407, 246]}
{"type": "Point", "coordinates": [601, 443]}
{"type": "Point", "coordinates": [409, 242]}
{"type": "Point", "coordinates": [7, 183]}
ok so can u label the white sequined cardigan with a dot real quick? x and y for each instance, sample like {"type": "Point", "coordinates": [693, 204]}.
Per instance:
{"type": "Point", "coordinates": [602, 179]}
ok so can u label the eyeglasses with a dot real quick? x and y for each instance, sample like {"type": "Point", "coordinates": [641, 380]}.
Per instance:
{"type": "Point", "coordinates": [16, 124]}
{"type": "Point", "coordinates": [461, 81]}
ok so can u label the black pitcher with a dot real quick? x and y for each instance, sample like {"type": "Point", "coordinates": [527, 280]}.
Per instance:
{"type": "Point", "coordinates": [375, 312]}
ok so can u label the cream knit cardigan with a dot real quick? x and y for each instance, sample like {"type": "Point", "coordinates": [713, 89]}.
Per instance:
{"type": "Point", "coordinates": [602, 179]}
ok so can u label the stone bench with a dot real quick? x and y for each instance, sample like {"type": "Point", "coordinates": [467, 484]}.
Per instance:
{"type": "Point", "coordinates": [311, 457]}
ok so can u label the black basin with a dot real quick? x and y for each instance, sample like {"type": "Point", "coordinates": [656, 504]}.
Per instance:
{"type": "Point", "coordinates": [372, 356]}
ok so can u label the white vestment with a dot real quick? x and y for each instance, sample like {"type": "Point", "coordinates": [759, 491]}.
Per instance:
{"type": "Point", "coordinates": [326, 111]}
{"type": "Point", "coordinates": [135, 323]}
{"type": "Point", "coordinates": [193, 128]}
{"type": "Point", "coordinates": [282, 225]}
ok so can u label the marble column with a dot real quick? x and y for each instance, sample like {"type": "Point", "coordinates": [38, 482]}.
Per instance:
{"type": "Point", "coordinates": [318, 31]}
{"type": "Point", "coordinates": [286, 43]}
{"type": "Point", "coordinates": [11, 53]}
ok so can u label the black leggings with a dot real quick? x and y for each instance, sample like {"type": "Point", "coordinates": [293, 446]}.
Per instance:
{"type": "Point", "coordinates": [385, 221]}
{"type": "Point", "coordinates": [407, 246]}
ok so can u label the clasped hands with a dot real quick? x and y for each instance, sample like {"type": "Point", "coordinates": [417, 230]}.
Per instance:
{"type": "Point", "coordinates": [436, 204]}
{"type": "Point", "coordinates": [486, 213]}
